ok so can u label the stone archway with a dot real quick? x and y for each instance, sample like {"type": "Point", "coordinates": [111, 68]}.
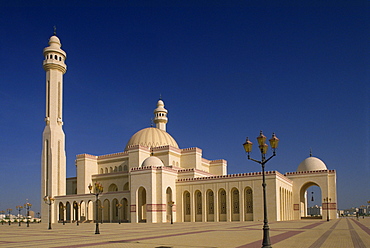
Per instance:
{"type": "Point", "coordinates": [124, 213]}
{"type": "Point", "coordinates": [169, 209]}
{"type": "Point", "coordinates": [186, 206]}
{"type": "Point", "coordinates": [222, 204]}
{"type": "Point", "coordinates": [142, 204]}
{"type": "Point", "coordinates": [304, 198]}
{"type": "Point", "coordinates": [235, 205]}
{"type": "Point", "coordinates": [210, 208]}
{"type": "Point", "coordinates": [68, 212]}
{"type": "Point", "coordinates": [248, 196]}
{"type": "Point", "coordinates": [198, 206]}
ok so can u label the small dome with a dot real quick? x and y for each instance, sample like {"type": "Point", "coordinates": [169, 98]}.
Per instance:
{"type": "Point", "coordinates": [54, 39]}
{"type": "Point", "coordinates": [151, 137]}
{"type": "Point", "coordinates": [311, 164]}
{"type": "Point", "coordinates": [152, 161]}
{"type": "Point", "coordinates": [160, 107]}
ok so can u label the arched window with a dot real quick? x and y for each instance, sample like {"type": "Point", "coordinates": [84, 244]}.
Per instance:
{"type": "Point", "coordinates": [55, 57]}
{"type": "Point", "coordinates": [115, 169]}
{"type": "Point", "coordinates": [101, 171]}
{"type": "Point", "coordinates": [112, 187]}
{"type": "Point", "coordinates": [106, 170]}
{"type": "Point", "coordinates": [235, 201]}
{"type": "Point", "coordinates": [120, 168]}
{"type": "Point", "coordinates": [125, 187]}
{"type": "Point", "coordinates": [249, 200]}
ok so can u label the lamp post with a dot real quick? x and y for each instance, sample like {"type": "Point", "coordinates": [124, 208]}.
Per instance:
{"type": "Point", "coordinates": [119, 206]}
{"type": "Point", "coordinates": [263, 149]}
{"type": "Point", "coordinates": [171, 203]}
{"type": "Point", "coordinates": [9, 210]}
{"type": "Point", "coordinates": [27, 206]}
{"type": "Point", "coordinates": [19, 208]}
{"type": "Point", "coordinates": [98, 189]}
{"type": "Point", "coordinates": [49, 200]}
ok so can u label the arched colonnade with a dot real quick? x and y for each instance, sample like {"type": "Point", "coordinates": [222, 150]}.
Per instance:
{"type": "Point", "coordinates": [108, 210]}
{"type": "Point", "coordinates": [220, 205]}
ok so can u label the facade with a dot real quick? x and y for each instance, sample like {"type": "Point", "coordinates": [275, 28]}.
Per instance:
{"type": "Point", "coordinates": [154, 180]}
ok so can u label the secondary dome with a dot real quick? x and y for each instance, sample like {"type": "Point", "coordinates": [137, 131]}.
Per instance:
{"type": "Point", "coordinates": [311, 164]}
{"type": "Point", "coordinates": [152, 161]}
{"type": "Point", "coordinates": [151, 137]}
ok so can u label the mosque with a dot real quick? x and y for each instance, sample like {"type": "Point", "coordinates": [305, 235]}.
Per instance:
{"type": "Point", "coordinates": [154, 180]}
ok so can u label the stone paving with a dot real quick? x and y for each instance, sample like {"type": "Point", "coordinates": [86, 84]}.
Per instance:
{"type": "Point", "coordinates": [344, 232]}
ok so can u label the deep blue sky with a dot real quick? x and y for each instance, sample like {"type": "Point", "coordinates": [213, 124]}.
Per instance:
{"type": "Point", "coordinates": [225, 71]}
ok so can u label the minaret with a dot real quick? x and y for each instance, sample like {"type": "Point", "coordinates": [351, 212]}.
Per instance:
{"type": "Point", "coordinates": [53, 161]}
{"type": "Point", "coordinates": [160, 116]}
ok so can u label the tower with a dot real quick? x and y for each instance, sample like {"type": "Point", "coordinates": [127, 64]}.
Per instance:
{"type": "Point", "coordinates": [160, 116]}
{"type": "Point", "coordinates": [53, 161]}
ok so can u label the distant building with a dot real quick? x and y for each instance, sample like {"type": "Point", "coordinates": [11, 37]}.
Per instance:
{"type": "Point", "coordinates": [314, 211]}
{"type": "Point", "coordinates": [153, 178]}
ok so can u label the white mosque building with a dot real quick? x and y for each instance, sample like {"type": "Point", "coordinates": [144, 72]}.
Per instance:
{"type": "Point", "coordinates": [154, 179]}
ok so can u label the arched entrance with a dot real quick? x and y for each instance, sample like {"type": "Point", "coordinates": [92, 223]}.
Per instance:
{"type": "Point", "coordinates": [309, 191]}
{"type": "Point", "coordinates": [142, 204]}
{"type": "Point", "coordinates": [82, 211]}
{"type": "Point", "coordinates": [222, 205]}
{"type": "Point", "coordinates": [248, 196]}
{"type": "Point", "coordinates": [169, 213]}
{"type": "Point", "coordinates": [61, 211]}
{"type": "Point", "coordinates": [90, 211]}
{"type": "Point", "coordinates": [186, 206]}
{"type": "Point", "coordinates": [235, 216]}
{"type": "Point", "coordinates": [198, 206]}
{"type": "Point", "coordinates": [106, 210]}
{"type": "Point", "coordinates": [124, 213]}
{"type": "Point", "coordinates": [115, 208]}
{"type": "Point", "coordinates": [210, 206]}
{"type": "Point", "coordinates": [75, 211]}
{"type": "Point", "coordinates": [68, 212]}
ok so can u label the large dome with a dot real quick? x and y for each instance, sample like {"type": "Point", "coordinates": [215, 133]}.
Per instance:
{"type": "Point", "coordinates": [311, 164]}
{"type": "Point", "coordinates": [151, 137]}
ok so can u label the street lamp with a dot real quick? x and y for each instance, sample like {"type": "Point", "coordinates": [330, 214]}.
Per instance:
{"type": "Point", "coordinates": [171, 204]}
{"type": "Point", "coordinates": [19, 208]}
{"type": "Point", "coordinates": [49, 200]}
{"type": "Point", "coordinates": [98, 189]}
{"type": "Point", "coordinates": [119, 206]}
{"type": "Point", "coordinates": [263, 149]}
{"type": "Point", "coordinates": [27, 206]}
{"type": "Point", "coordinates": [9, 212]}
{"type": "Point", "coordinates": [327, 201]}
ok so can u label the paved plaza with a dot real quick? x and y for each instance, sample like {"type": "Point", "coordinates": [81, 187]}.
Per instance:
{"type": "Point", "coordinates": [344, 232]}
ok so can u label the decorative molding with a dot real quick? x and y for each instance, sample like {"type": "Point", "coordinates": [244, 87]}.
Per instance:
{"type": "Point", "coordinates": [132, 208]}
{"type": "Point", "coordinates": [156, 207]}
{"type": "Point", "coordinates": [309, 172]}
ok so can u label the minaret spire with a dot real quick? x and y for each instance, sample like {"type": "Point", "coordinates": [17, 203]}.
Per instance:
{"type": "Point", "coordinates": [160, 116]}
{"type": "Point", "coordinates": [53, 161]}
